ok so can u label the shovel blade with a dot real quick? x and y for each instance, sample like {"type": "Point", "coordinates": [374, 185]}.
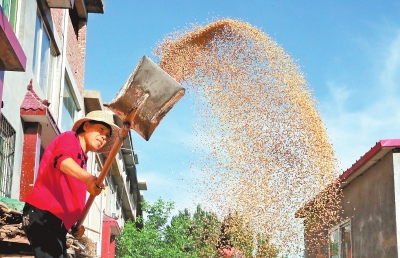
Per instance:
{"type": "Point", "coordinates": [146, 97]}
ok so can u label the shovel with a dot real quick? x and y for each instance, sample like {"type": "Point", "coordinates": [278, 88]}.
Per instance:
{"type": "Point", "coordinates": [147, 96]}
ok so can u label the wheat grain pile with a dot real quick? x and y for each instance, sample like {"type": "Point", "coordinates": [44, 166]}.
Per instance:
{"type": "Point", "coordinates": [264, 150]}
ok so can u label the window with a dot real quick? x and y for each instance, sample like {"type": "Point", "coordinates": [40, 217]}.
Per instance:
{"type": "Point", "coordinates": [7, 149]}
{"type": "Point", "coordinates": [111, 198]}
{"type": "Point", "coordinates": [10, 8]}
{"type": "Point", "coordinates": [69, 109]}
{"type": "Point", "coordinates": [340, 241]}
{"type": "Point", "coordinates": [41, 54]}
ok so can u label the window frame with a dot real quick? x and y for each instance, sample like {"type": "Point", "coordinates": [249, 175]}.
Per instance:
{"type": "Point", "coordinates": [43, 73]}
{"type": "Point", "coordinates": [72, 96]}
{"type": "Point", "coordinates": [12, 12]}
{"type": "Point", "coordinates": [111, 197]}
{"type": "Point", "coordinates": [338, 229]}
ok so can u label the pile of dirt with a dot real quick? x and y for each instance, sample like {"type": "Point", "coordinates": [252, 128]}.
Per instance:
{"type": "Point", "coordinates": [13, 239]}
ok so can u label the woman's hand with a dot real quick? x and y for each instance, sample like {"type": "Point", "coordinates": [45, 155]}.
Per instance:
{"type": "Point", "coordinates": [77, 232]}
{"type": "Point", "coordinates": [93, 188]}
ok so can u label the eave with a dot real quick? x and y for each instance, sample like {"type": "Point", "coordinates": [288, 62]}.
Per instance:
{"type": "Point", "coordinates": [62, 4]}
{"type": "Point", "coordinates": [12, 56]}
{"type": "Point", "coordinates": [377, 152]}
{"type": "Point", "coordinates": [369, 159]}
{"type": "Point", "coordinates": [113, 224]}
{"type": "Point", "coordinates": [33, 109]}
{"type": "Point", "coordinates": [83, 6]}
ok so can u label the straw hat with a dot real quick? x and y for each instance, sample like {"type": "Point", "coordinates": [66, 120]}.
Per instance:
{"type": "Point", "coordinates": [104, 117]}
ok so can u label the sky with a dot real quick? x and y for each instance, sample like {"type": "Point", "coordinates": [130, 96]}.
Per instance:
{"type": "Point", "coordinates": [349, 52]}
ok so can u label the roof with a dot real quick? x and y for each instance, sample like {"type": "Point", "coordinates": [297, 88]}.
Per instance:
{"type": "Point", "coordinates": [33, 104]}
{"type": "Point", "coordinates": [366, 161]}
{"type": "Point", "coordinates": [377, 152]}
{"type": "Point", "coordinates": [115, 228]}
{"type": "Point", "coordinates": [34, 109]}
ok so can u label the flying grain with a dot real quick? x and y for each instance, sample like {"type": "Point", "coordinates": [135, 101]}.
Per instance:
{"type": "Point", "coordinates": [264, 148]}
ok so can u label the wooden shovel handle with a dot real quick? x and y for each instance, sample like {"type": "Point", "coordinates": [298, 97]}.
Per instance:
{"type": "Point", "coordinates": [111, 155]}
{"type": "Point", "coordinates": [128, 120]}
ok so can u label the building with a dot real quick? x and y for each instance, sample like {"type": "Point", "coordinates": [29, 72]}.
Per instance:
{"type": "Point", "coordinates": [370, 218]}
{"type": "Point", "coordinates": [42, 64]}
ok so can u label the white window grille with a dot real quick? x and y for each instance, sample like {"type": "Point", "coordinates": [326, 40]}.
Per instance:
{"type": "Point", "coordinates": [7, 150]}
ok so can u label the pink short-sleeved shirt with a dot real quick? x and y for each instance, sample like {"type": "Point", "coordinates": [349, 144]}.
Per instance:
{"type": "Point", "coordinates": [54, 191]}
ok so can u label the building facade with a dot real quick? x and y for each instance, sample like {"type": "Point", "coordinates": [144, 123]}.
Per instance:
{"type": "Point", "coordinates": [42, 67]}
{"type": "Point", "coordinates": [369, 224]}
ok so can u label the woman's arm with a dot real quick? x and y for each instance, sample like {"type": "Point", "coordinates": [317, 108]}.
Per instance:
{"type": "Point", "coordinates": [71, 168]}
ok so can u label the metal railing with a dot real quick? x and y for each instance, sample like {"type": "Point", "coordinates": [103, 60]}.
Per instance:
{"type": "Point", "coordinates": [7, 150]}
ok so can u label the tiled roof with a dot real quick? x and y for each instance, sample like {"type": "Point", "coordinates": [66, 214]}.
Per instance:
{"type": "Point", "coordinates": [112, 223]}
{"type": "Point", "coordinates": [32, 102]}
{"type": "Point", "coordinates": [34, 105]}
{"type": "Point", "coordinates": [107, 218]}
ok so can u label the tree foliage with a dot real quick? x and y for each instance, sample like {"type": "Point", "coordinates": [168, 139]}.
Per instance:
{"type": "Point", "coordinates": [238, 230]}
{"type": "Point", "coordinates": [187, 235]}
{"type": "Point", "coordinates": [196, 235]}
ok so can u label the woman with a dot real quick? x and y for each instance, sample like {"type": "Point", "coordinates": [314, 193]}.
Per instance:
{"type": "Point", "coordinates": [59, 195]}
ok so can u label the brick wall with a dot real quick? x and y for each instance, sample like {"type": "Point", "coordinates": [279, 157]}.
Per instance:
{"type": "Point", "coordinates": [57, 15]}
{"type": "Point", "coordinates": [76, 53]}
{"type": "Point", "coordinates": [76, 46]}
{"type": "Point", "coordinates": [82, 38]}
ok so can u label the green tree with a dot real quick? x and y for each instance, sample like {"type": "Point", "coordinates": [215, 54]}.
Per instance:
{"type": "Point", "coordinates": [237, 231]}
{"type": "Point", "coordinates": [205, 229]}
{"type": "Point", "coordinates": [264, 247]}
{"type": "Point", "coordinates": [187, 235]}
{"type": "Point", "coordinates": [158, 214]}
{"type": "Point", "coordinates": [134, 242]}
{"type": "Point", "coordinates": [177, 234]}
{"type": "Point", "coordinates": [196, 235]}
{"type": "Point", "coordinates": [147, 241]}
